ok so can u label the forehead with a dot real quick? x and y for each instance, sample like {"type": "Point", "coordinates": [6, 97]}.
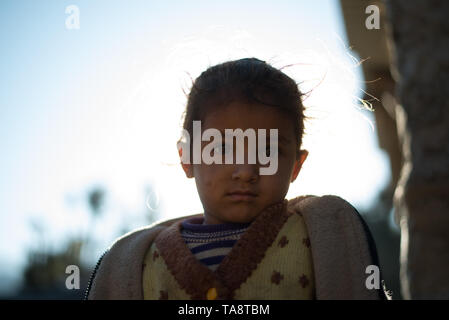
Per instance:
{"type": "Point", "coordinates": [248, 116]}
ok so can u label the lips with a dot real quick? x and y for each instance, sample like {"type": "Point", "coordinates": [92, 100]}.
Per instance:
{"type": "Point", "coordinates": [242, 195]}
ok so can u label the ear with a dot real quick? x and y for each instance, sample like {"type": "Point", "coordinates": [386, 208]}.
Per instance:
{"type": "Point", "coordinates": [298, 164]}
{"type": "Point", "coordinates": [188, 168]}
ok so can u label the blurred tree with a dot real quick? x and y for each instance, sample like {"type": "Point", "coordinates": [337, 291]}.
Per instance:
{"type": "Point", "coordinates": [44, 275]}
{"type": "Point", "coordinates": [96, 199]}
{"type": "Point", "coordinates": [420, 39]}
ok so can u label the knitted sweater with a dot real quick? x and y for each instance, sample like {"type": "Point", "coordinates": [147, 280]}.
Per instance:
{"type": "Point", "coordinates": [271, 260]}
{"type": "Point", "coordinates": [341, 248]}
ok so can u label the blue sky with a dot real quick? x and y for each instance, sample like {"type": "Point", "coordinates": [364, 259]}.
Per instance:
{"type": "Point", "coordinates": [102, 105]}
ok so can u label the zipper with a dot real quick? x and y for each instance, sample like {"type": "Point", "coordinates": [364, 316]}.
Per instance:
{"type": "Point", "coordinates": [92, 276]}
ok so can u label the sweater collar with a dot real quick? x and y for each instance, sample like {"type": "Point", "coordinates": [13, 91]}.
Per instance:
{"type": "Point", "coordinates": [196, 225]}
{"type": "Point", "coordinates": [196, 278]}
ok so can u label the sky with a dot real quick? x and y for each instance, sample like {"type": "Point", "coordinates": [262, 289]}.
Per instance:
{"type": "Point", "coordinates": [101, 106]}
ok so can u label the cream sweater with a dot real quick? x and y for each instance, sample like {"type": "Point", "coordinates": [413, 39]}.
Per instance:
{"type": "Point", "coordinates": [272, 260]}
{"type": "Point", "coordinates": [341, 248]}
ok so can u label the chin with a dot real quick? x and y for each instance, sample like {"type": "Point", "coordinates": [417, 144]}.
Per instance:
{"type": "Point", "coordinates": [242, 217]}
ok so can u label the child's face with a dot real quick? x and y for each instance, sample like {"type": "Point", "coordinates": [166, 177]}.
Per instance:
{"type": "Point", "coordinates": [219, 184]}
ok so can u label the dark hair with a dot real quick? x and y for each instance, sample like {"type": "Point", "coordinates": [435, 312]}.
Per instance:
{"type": "Point", "coordinates": [248, 80]}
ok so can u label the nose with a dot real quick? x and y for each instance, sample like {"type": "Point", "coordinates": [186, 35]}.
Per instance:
{"type": "Point", "coordinates": [246, 172]}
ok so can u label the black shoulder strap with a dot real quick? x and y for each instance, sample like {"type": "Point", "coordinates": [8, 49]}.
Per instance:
{"type": "Point", "coordinates": [383, 292]}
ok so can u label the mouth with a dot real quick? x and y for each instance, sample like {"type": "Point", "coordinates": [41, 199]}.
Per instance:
{"type": "Point", "coordinates": [242, 195]}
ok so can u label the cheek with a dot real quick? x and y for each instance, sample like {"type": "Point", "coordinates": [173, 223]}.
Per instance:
{"type": "Point", "coordinates": [285, 167]}
{"type": "Point", "coordinates": [280, 180]}
{"type": "Point", "coordinates": [208, 177]}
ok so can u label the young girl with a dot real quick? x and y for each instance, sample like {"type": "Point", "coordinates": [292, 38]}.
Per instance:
{"type": "Point", "coordinates": [250, 242]}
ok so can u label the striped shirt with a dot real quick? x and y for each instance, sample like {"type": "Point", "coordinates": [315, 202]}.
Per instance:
{"type": "Point", "coordinates": [210, 243]}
